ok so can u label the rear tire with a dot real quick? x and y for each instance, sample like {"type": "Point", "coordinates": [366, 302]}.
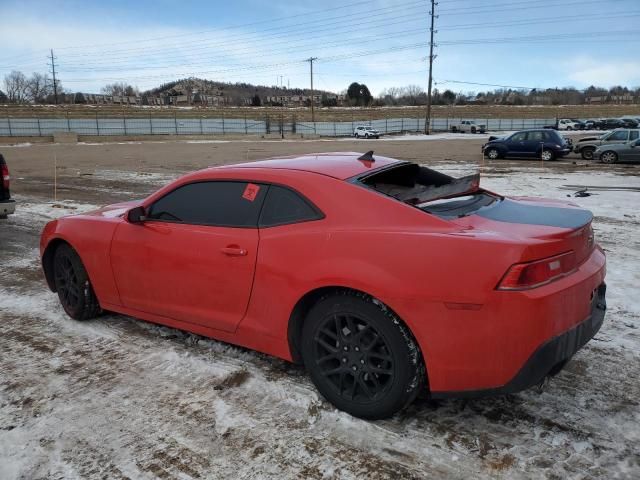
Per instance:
{"type": "Point", "coordinates": [360, 356]}
{"type": "Point", "coordinates": [73, 285]}
{"type": "Point", "coordinates": [587, 153]}
{"type": "Point", "coordinates": [609, 157]}
{"type": "Point", "coordinates": [454, 129]}
{"type": "Point", "coordinates": [547, 155]}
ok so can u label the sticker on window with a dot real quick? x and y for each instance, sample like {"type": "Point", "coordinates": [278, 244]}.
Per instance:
{"type": "Point", "coordinates": [251, 192]}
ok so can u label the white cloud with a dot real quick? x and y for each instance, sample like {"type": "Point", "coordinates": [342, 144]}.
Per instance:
{"type": "Point", "coordinates": [587, 71]}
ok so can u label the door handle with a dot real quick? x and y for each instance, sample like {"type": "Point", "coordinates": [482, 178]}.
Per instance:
{"type": "Point", "coordinates": [234, 251]}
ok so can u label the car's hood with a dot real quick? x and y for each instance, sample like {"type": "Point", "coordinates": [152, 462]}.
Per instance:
{"type": "Point", "coordinates": [589, 139]}
{"type": "Point", "coordinates": [115, 210]}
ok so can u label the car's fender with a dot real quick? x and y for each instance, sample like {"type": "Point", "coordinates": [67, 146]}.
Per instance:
{"type": "Point", "coordinates": [90, 237]}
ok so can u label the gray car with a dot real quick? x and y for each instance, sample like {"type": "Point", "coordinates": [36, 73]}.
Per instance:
{"type": "Point", "coordinates": [587, 146]}
{"type": "Point", "coordinates": [618, 152]}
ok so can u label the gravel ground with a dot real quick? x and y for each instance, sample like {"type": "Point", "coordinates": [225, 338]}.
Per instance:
{"type": "Point", "coordinates": [120, 398]}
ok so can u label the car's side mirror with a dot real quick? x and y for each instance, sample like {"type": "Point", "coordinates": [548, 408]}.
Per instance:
{"type": "Point", "coordinates": [136, 215]}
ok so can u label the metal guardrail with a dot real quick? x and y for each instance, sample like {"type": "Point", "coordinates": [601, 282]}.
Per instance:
{"type": "Point", "coordinates": [35, 127]}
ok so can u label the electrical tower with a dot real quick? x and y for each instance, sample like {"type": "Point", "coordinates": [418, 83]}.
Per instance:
{"type": "Point", "coordinates": [53, 73]}
{"type": "Point", "coordinates": [313, 115]}
{"type": "Point", "coordinates": [427, 124]}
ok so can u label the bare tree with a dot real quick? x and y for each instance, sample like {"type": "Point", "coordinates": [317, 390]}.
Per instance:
{"type": "Point", "coordinates": [38, 87]}
{"type": "Point", "coordinates": [15, 84]}
{"type": "Point", "coordinates": [120, 89]}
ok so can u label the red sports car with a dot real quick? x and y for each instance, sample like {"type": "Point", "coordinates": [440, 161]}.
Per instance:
{"type": "Point", "coordinates": [383, 277]}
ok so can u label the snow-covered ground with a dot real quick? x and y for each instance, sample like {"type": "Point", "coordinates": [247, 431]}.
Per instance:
{"type": "Point", "coordinates": [120, 398]}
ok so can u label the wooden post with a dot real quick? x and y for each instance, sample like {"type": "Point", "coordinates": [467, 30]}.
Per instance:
{"type": "Point", "coordinates": [55, 178]}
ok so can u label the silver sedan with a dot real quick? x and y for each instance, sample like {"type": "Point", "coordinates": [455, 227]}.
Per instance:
{"type": "Point", "coordinates": [619, 152]}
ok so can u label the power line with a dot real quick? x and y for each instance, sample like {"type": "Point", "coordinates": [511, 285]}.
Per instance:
{"type": "Point", "coordinates": [486, 84]}
{"type": "Point", "coordinates": [302, 28]}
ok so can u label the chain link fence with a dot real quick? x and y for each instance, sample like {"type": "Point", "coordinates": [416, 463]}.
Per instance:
{"type": "Point", "coordinates": [271, 124]}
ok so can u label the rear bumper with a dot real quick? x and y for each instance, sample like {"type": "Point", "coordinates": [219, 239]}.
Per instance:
{"type": "Point", "coordinates": [7, 207]}
{"type": "Point", "coordinates": [563, 152]}
{"type": "Point", "coordinates": [550, 357]}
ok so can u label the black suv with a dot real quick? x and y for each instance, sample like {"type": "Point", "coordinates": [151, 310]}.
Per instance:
{"type": "Point", "coordinates": [541, 143]}
{"type": "Point", "coordinates": [7, 206]}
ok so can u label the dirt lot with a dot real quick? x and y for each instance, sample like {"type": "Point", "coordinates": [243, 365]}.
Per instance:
{"type": "Point", "coordinates": [119, 398]}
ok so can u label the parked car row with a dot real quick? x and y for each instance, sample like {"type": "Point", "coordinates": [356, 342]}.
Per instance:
{"type": "Point", "coordinates": [598, 124]}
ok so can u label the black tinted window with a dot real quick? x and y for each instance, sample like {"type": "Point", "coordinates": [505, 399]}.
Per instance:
{"type": "Point", "coordinates": [519, 137]}
{"type": "Point", "coordinates": [536, 136]}
{"type": "Point", "coordinates": [228, 204]}
{"type": "Point", "coordinates": [633, 134]}
{"type": "Point", "coordinates": [286, 206]}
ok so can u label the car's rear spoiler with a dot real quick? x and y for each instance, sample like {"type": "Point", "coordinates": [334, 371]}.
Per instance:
{"type": "Point", "coordinates": [427, 193]}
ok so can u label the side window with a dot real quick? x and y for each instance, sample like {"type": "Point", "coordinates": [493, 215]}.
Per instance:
{"type": "Point", "coordinates": [535, 136]}
{"type": "Point", "coordinates": [283, 206]}
{"type": "Point", "coordinates": [633, 134]}
{"type": "Point", "coordinates": [619, 135]}
{"type": "Point", "coordinates": [518, 137]}
{"type": "Point", "coordinates": [223, 204]}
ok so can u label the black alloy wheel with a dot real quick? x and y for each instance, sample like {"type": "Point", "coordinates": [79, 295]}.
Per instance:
{"type": "Point", "coordinates": [72, 284]}
{"type": "Point", "coordinates": [354, 357]}
{"type": "Point", "coordinates": [360, 356]}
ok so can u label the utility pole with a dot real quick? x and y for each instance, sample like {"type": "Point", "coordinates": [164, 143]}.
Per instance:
{"type": "Point", "coordinates": [53, 71]}
{"type": "Point", "coordinates": [427, 124]}
{"type": "Point", "coordinates": [313, 115]}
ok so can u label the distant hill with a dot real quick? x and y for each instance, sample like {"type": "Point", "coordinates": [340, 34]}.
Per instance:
{"type": "Point", "coordinates": [233, 91]}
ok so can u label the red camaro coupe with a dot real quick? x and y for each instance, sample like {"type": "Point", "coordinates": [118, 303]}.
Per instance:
{"type": "Point", "coordinates": [382, 276]}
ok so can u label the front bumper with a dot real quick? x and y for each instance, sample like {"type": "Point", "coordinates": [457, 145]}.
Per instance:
{"type": "Point", "coordinates": [550, 357]}
{"type": "Point", "coordinates": [7, 207]}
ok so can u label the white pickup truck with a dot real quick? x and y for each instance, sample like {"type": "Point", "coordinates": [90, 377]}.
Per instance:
{"type": "Point", "coordinates": [568, 124]}
{"type": "Point", "coordinates": [467, 126]}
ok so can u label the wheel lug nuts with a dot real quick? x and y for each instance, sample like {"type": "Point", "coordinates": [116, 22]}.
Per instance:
{"type": "Point", "coordinates": [346, 348]}
{"type": "Point", "coordinates": [357, 349]}
{"type": "Point", "coordinates": [354, 368]}
{"type": "Point", "coordinates": [344, 360]}
{"type": "Point", "coordinates": [362, 362]}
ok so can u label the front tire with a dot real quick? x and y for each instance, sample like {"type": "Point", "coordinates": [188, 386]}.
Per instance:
{"type": "Point", "coordinates": [492, 153]}
{"type": "Point", "coordinates": [360, 356]}
{"type": "Point", "coordinates": [73, 285]}
{"type": "Point", "coordinates": [587, 153]}
{"type": "Point", "coordinates": [609, 157]}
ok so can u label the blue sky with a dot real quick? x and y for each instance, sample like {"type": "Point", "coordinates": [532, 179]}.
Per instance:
{"type": "Point", "coordinates": [528, 43]}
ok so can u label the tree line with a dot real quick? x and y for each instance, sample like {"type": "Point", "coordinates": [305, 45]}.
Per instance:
{"type": "Point", "coordinates": [39, 89]}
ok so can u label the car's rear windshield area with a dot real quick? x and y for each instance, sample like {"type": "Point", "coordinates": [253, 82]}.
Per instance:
{"type": "Point", "coordinates": [431, 191]}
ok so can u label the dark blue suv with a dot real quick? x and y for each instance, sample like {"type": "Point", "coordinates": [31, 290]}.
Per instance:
{"type": "Point", "coordinates": [545, 144]}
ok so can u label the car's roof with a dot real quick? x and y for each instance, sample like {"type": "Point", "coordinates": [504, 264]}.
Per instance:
{"type": "Point", "coordinates": [341, 165]}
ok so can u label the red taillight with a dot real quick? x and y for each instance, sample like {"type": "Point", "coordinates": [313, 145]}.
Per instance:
{"type": "Point", "coordinates": [522, 276]}
{"type": "Point", "coordinates": [6, 178]}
